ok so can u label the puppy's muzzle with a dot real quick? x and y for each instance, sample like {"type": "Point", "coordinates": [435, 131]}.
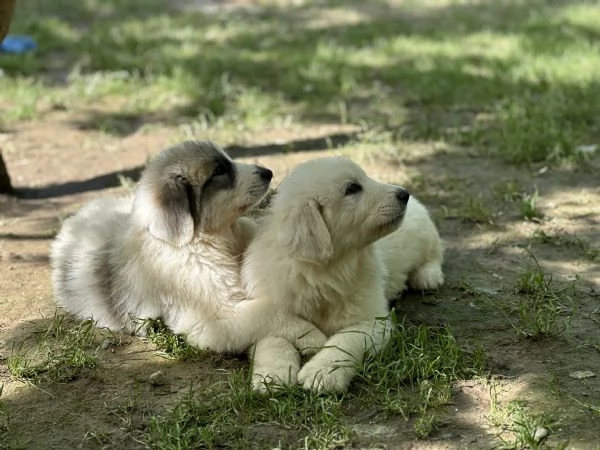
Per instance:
{"type": "Point", "coordinates": [264, 173]}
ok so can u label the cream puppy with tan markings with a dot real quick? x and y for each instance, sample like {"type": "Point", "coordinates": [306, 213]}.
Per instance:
{"type": "Point", "coordinates": [334, 247]}
{"type": "Point", "coordinates": [172, 250]}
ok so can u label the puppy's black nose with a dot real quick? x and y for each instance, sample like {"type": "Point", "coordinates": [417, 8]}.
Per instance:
{"type": "Point", "coordinates": [402, 195]}
{"type": "Point", "coordinates": [264, 173]}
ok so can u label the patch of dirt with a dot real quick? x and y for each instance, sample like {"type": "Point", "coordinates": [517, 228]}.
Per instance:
{"type": "Point", "coordinates": [482, 266]}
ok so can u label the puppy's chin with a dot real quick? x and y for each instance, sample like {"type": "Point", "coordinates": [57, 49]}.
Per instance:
{"type": "Point", "coordinates": [390, 225]}
{"type": "Point", "coordinates": [255, 198]}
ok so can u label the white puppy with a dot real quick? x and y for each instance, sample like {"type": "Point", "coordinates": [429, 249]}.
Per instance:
{"type": "Point", "coordinates": [319, 255]}
{"type": "Point", "coordinates": [173, 250]}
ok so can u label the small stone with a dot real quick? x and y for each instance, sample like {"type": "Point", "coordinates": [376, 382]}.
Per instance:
{"type": "Point", "coordinates": [158, 378]}
{"type": "Point", "coordinates": [541, 433]}
{"type": "Point", "coordinates": [106, 344]}
{"type": "Point", "coordinates": [581, 374]}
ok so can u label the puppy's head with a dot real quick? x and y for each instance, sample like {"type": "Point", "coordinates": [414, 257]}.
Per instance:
{"type": "Point", "coordinates": [194, 187]}
{"type": "Point", "coordinates": [329, 206]}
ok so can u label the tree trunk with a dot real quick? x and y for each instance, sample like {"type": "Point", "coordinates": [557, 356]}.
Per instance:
{"type": "Point", "coordinates": [6, 11]}
{"type": "Point", "coordinates": [5, 186]}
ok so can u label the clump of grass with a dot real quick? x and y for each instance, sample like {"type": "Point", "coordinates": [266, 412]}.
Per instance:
{"type": "Point", "coordinates": [62, 353]}
{"type": "Point", "coordinates": [531, 130]}
{"type": "Point", "coordinates": [540, 306]}
{"type": "Point", "coordinates": [528, 207]}
{"type": "Point", "coordinates": [508, 191]}
{"type": "Point", "coordinates": [473, 209]}
{"type": "Point", "coordinates": [527, 203]}
{"type": "Point", "coordinates": [170, 344]}
{"type": "Point", "coordinates": [415, 371]}
{"type": "Point", "coordinates": [425, 424]}
{"type": "Point", "coordinates": [232, 414]}
{"type": "Point", "coordinates": [543, 125]}
{"type": "Point", "coordinates": [527, 429]}
{"type": "Point", "coordinates": [567, 241]}
{"type": "Point", "coordinates": [128, 410]}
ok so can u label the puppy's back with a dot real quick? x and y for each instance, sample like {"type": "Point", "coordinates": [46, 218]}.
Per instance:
{"type": "Point", "coordinates": [82, 273]}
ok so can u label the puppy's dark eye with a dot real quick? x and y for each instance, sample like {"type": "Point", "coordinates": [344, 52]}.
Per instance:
{"type": "Point", "coordinates": [353, 188]}
{"type": "Point", "coordinates": [219, 170]}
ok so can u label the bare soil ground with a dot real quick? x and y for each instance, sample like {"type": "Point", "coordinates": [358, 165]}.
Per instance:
{"type": "Point", "coordinates": [483, 262]}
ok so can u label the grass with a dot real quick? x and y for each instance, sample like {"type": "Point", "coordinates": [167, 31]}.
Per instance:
{"type": "Point", "coordinates": [525, 429]}
{"type": "Point", "coordinates": [486, 207]}
{"type": "Point", "coordinates": [412, 377]}
{"type": "Point", "coordinates": [231, 414]}
{"type": "Point", "coordinates": [511, 193]}
{"type": "Point", "coordinates": [172, 345]}
{"type": "Point", "coordinates": [543, 308]}
{"type": "Point", "coordinates": [425, 71]}
{"type": "Point", "coordinates": [475, 210]}
{"type": "Point", "coordinates": [529, 209]}
{"type": "Point", "coordinates": [60, 355]}
{"type": "Point", "coordinates": [415, 370]}
{"type": "Point", "coordinates": [569, 241]}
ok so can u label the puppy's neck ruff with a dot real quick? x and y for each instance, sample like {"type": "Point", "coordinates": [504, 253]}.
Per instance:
{"type": "Point", "coordinates": [224, 241]}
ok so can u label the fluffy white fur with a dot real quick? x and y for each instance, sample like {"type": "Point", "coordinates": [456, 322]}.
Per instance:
{"type": "Point", "coordinates": [332, 251]}
{"type": "Point", "coordinates": [173, 250]}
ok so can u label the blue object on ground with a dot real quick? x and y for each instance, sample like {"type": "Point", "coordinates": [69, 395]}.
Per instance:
{"type": "Point", "coordinates": [17, 44]}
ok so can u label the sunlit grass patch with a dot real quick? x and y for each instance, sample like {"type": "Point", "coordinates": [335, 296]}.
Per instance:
{"type": "Point", "coordinates": [521, 427]}
{"type": "Point", "coordinates": [59, 355]}
{"type": "Point", "coordinates": [19, 99]}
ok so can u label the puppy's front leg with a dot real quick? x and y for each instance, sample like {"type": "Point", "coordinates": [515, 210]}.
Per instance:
{"type": "Point", "coordinates": [305, 336]}
{"type": "Point", "coordinates": [214, 336]}
{"type": "Point", "coordinates": [274, 361]}
{"type": "Point", "coordinates": [333, 367]}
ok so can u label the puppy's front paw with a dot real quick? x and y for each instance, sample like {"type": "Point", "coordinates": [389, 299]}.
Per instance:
{"type": "Point", "coordinates": [320, 376]}
{"type": "Point", "coordinates": [310, 342]}
{"type": "Point", "coordinates": [212, 338]}
{"type": "Point", "coordinates": [272, 378]}
{"type": "Point", "coordinates": [428, 277]}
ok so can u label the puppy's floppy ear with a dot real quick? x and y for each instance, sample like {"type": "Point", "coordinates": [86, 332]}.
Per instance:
{"type": "Point", "coordinates": [172, 220]}
{"type": "Point", "coordinates": [306, 235]}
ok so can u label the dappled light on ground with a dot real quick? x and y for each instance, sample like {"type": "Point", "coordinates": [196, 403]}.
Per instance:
{"type": "Point", "coordinates": [485, 110]}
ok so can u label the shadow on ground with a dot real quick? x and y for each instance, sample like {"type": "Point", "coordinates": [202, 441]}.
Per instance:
{"type": "Point", "coordinates": [114, 179]}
